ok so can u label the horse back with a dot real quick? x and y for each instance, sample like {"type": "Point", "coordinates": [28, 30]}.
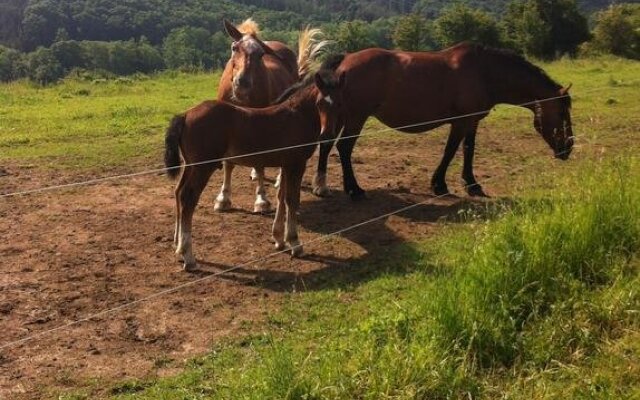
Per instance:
{"type": "Point", "coordinates": [402, 88]}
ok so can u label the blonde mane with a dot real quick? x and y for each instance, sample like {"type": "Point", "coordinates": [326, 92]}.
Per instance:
{"type": "Point", "coordinates": [249, 27]}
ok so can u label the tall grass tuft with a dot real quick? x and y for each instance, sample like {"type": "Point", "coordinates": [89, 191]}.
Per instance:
{"type": "Point", "coordinates": [537, 256]}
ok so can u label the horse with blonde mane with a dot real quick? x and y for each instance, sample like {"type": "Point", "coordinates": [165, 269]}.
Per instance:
{"type": "Point", "coordinates": [257, 73]}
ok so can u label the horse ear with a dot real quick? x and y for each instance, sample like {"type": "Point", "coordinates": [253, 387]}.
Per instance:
{"type": "Point", "coordinates": [232, 30]}
{"type": "Point", "coordinates": [565, 90]}
{"type": "Point", "coordinates": [267, 49]}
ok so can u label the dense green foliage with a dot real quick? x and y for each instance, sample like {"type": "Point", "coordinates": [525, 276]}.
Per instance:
{"type": "Point", "coordinates": [33, 23]}
{"type": "Point", "coordinates": [545, 28]}
{"type": "Point", "coordinates": [157, 34]}
{"type": "Point", "coordinates": [412, 33]}
{"type": "Point", "coordinates": [617, 31]}
{"type": "Point", "coordinates": [460, 23]}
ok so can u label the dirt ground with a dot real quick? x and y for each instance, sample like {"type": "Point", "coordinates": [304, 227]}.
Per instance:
{"type": "Point", "coordinates": [71, 253]}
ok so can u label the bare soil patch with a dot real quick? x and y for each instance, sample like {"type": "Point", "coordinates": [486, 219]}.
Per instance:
{"type": "Point", "coordinates": [71, 253]}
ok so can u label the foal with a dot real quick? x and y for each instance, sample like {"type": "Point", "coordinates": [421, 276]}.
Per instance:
{"type": "Point", "coordinates": [251, 137]}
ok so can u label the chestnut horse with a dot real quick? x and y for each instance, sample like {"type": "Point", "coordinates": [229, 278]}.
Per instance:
{"type": "Point", "coordinates": [257, 74]}
{"type": "Point", "coordinates": [405, 89]}
{"type": "Point", "coordinates": [217, 129]}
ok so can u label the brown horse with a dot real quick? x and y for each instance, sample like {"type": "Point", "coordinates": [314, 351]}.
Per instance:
{"type": "Point", "coordinates": [257, 74]}
{"type": "Point", "coordinates": [216, 129]}
{"type": "Point", "coordinates": [405, 89]}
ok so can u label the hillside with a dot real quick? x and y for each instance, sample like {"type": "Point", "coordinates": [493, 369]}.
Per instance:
{"type": "Point", "coordinates": [31, 23]}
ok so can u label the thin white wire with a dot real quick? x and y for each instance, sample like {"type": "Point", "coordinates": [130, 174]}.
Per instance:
{"type": "Point", "coordinates": [208, 277]}
{"type": "Point", "coordinates": [191, 283]}
{"type": "Point", "coordinates": [197, 281]}
{"type": "Point", "coordinates": [217, 160]}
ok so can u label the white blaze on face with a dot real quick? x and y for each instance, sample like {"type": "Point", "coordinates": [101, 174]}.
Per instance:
{"type": "Point", "coordinates": [251, 44]}
{"type": "Point", "coordinates": [329, 100]}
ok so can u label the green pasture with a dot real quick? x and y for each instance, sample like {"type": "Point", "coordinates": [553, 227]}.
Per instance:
{"type": "Point", "coordinates": [96, 123]}
{"type": "Point", "coordinates": [535, 296]}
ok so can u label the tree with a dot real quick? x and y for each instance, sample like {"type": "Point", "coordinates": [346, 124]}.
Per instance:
{"type": "Point", "coordinates": [353, 36]}
{"type": "Point", "coordinates": [617, 31]}
{"type": "Point", "coordinates": [188, 48]}
{"type": "Point", "coordinates": [43, 67]}
{"type": "Point", "coordinates": [545, 28]}
{"type": "Point", "coordinates": [11, 64]}
{"type": "Point", "coordinates": [412, 33]}
{"type": "Point", "coordinates": [69, 54]}
{"type": "Point", "coordinates": [460, 23]}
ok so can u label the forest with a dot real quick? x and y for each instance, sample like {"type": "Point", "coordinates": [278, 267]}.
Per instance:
{"type": "Point", "coordinates": [45, 40]}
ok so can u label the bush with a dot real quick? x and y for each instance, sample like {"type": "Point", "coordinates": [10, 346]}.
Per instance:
{"type": "Point", "coordinates": [412, 33]}
{"type": "Point", "coordinates": [189, 48]}
{"type": "Point", "coordinates": [43, 67]}
{"type": "Point", "coordinates": [12, 64]}
{"type": "Point", "coordinates": [353, 36]}
{"type": "Point", "coordinates": [545, 28]}
{"type": "Point", "coordinates": [617, 31]}
{"type": "Point", "coordinates": [460, 23]}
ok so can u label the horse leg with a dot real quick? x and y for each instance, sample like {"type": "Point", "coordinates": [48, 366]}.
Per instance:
{"type": "Point", "coordinates": [276, 184]}
{"type": "Point", "coordinates": [345, 148]}
{"type": "Point", "coordinates": [438, 180]}
{"type": "Point", "coordinates": [176, 234]}
{"type": "Point", "coordinates": [262, 205]}
{"type": "Point", "coordinates": [196, 179]}
{"type": "Point", "coordinates": [223, 201]}
{"type": "Point", "coordinates": [292, 199]}
{"type": "Point", "coordinates": [471, 185]}
{"type": "Point", "coordinates": [320, 187]}
{"type": "Point", "coordinates": [278, 222]}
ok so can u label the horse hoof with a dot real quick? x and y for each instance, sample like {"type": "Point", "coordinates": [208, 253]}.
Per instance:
{"type": "Point", "coordinates": [475, 190]}
{"type": "Point", "coordinates": [440, 190]}
{"type": "Point", "coordinates": [222, 206]}
{"type": "Point", "coordinates": [297, 250]}
{"type": "Point", "coordinates": [254, 174]}
{"type": "Point", "coordinates": [322, 191]}
{"type": "Point", "coordinates": [262, 208]}
{"type": "Point", "coordinates": [279, 246]}
{"type": "Point", "coordinates": [357, 195]}
{"type": "Point", "coordinates": [190, 267]}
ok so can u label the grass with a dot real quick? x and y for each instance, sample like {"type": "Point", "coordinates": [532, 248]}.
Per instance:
{"type": "Point", "coordinates": [95, 124]}
{"type": "Point", "coordinates": [540, 301]}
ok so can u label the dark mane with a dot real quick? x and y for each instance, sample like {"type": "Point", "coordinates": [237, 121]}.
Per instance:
{"type": "Point", "coordinates": [329, 66]}
{"type": "Point", "coordinates": [518, 61]}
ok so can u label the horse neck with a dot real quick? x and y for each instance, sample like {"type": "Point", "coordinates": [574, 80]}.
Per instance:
{"type": "Point", "coordinates": [303, 103]}
{"type": "Point", "coordinates": [520, 87]}
{"type": "Point", "coordinates": [261, 94]}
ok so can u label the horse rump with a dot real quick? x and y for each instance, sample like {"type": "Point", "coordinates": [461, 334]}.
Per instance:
{"type": "Point", "coordinates": [172, 145]}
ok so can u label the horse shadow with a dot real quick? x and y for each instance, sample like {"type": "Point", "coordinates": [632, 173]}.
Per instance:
{"type": "Point", "coordinates": [380, 244]}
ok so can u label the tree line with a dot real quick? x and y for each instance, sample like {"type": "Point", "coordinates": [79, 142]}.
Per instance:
{"type": "Point", "coordinates": [543, 29]}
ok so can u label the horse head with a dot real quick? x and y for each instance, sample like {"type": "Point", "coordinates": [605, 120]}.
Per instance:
{"type": "Point", "coordinates": [553, 121]}
{"type": "Point", "coordinates": [329, 103]}
{"type": "Point", "coordinates": [247, 51]}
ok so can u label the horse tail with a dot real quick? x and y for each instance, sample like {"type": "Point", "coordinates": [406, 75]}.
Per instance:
{"type": "Point", "coordinates": [172, 145]}
{"type": "Point", "coordinates": [310, 46]}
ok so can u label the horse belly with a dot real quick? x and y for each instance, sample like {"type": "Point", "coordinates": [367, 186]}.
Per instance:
{"type": "Point", "coordinates": [412, 117]}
